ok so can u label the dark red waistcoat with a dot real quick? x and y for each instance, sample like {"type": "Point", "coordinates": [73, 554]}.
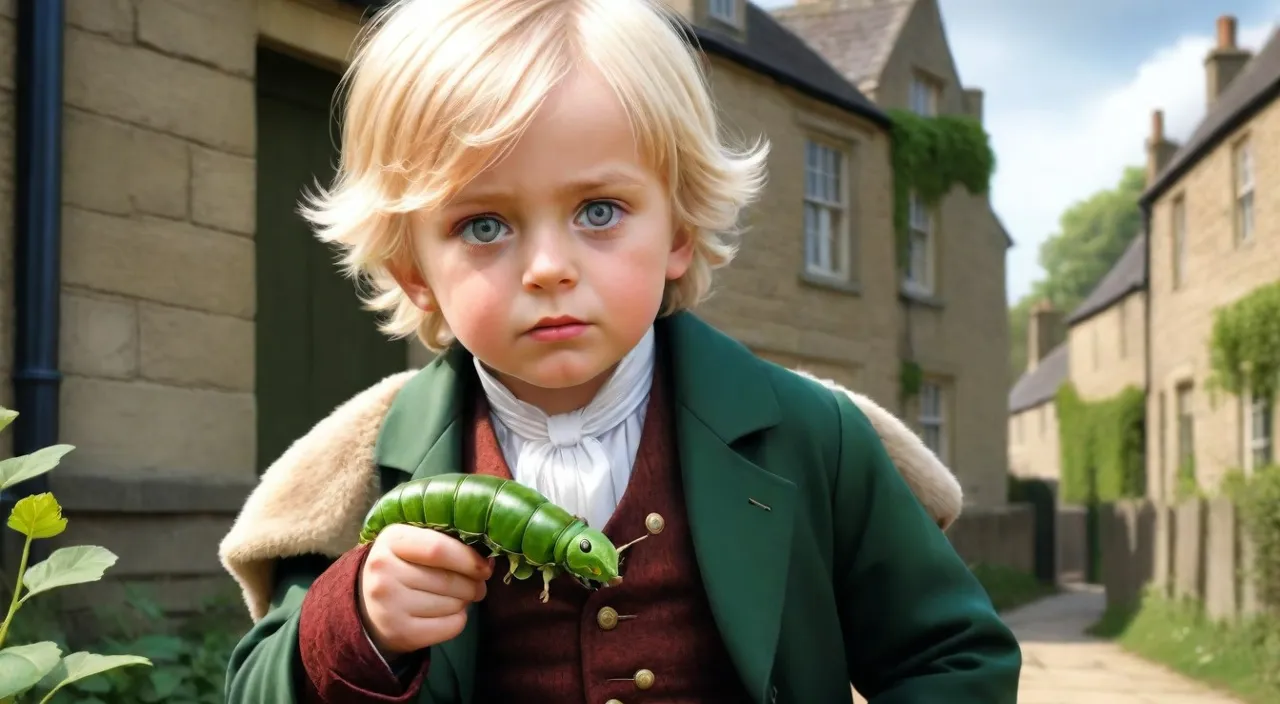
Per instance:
{"type": "Point", "coordinates": [650, 639]}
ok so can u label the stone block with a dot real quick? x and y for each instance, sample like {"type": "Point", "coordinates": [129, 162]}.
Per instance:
{"type": "Point", "coordinates": [174, 595]}
{"type": "Point", "coordinates": [7, 125]}
{"type": "Point", "coordinates": [1189, 551]}
{"type": "Point", "coordinates": [144, 428]}
{"type": "Point", "coordinates": [113, 18]}
{"type": "Point", "coordinates": [151, 545]}
{"type": "Point", "coordinates": [99, 336]}
{"type": "Point", "coordinates": [190, 348]}
{"type": "Point", "coordinates": [117, 168]}
{"type": "Point", "coordinates": [9, 39]}
{"type": "Point", "coordinates": [223, 191]}
{"type": "Point", "coordinates": [146, 88]}
{"type": "Point", "coordinates": [163, 261]}
{"type": "Point", "coordinates": [222, 33]}
{"type": "Point", "coordinates": [1003, 535]}
{"type": "Point", "coordinates": [1221, 566]}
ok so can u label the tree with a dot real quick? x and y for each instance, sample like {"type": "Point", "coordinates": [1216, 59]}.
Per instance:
{"type": "Point", "coordinates": [1092, 235]}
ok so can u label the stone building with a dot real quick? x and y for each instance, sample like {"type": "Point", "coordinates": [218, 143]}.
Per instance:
{"type": "Point", "coordinates": [951, 297]}
{"type": "Point", "coordinates": [1100, 348]}
{"type": "Point", "coordinates": [1211, 242]}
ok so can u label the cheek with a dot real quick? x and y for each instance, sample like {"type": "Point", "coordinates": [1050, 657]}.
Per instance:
{"type": "Point", "coordinates": [471, 300]}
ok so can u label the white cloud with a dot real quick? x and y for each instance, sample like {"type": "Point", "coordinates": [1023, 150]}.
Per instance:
{"type": "Point", "coordinates": [1052, 155]}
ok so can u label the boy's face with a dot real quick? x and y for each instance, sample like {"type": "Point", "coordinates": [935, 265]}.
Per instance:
{"type": "Point", "coordinates": [570, 226]}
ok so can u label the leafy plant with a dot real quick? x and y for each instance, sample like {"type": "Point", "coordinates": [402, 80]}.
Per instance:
{"type": "Point", "coordinates": [42, 665]}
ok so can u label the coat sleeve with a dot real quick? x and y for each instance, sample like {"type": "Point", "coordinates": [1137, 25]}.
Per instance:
{"type": "Point", "coordinates": [311, 647]}
{"type": "Point", "coordinates": [918, 626]}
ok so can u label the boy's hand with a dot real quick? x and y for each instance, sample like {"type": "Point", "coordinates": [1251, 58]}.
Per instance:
{"type": "Point", "coordinates": [415, 586]}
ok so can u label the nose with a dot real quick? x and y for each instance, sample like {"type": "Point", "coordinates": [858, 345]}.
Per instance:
{"type": "Point", "coordinates": [551, 262]}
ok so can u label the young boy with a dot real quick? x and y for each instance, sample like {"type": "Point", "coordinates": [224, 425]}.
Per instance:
{"type": "Point", "coordinates": [537, 189]}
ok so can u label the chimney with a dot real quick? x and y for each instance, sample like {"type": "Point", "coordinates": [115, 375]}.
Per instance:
{"type": "Point", "coordinates": [1044, 332]}
{"type": "Point", "coordinates": [1160, 149]}
{"type": "Point", "coordinates": [973, 103]}
{"type": "Point", "coordinates": [1225, 61]}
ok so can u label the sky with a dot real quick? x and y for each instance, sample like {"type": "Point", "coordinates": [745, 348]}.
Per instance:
{"type": "Point", "coordinates": [1069, 91]}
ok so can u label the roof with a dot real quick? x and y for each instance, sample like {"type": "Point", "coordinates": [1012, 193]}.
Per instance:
{"type": "Point", "coordinates": [856, 36]}
{"type": "Point", "coordinates": [1257, 84]}
{"type": "Point", "coordinates": [1041, 384]}
{"type": "Point", "coordinates": [1128, 274]}
{"type": "Point", "coordinates": [772, 50]}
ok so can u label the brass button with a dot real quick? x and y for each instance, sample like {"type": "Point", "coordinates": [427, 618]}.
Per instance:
{"type": "Point", "coordinates": [644, 679]}
{"type": "Point", "coordinates": [607, 618]}
{"type": "Point", "coordinates": [614, 701]}
{"type": "Point", "coordinates": [655, 523]}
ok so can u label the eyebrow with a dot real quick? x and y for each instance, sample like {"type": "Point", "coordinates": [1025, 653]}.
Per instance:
{"type": "Point", "coordinates": [614, 176]}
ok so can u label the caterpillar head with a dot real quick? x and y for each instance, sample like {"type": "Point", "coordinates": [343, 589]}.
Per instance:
{"type": "Point", "coordinates": [593, 559]}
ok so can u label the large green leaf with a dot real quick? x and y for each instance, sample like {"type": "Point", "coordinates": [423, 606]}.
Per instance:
{"type": "Point", "coordinates": [66, 566]}
{"type": "Point", "coordinates": [6, 417]}
{"type": "Point", "coordinates": [24, 467]}
{"type": "Point", "coordinates": [38, 516]}
{"type": "Point", "coordinates": [22, 666]}
{"type": "Point", "coordinates": [78, 666]}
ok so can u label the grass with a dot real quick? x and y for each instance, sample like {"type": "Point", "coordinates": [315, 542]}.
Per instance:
{"type": "Point", "coordinates": [1242, 658]}
{"type": "Point", "coordinates": [1010, 588]}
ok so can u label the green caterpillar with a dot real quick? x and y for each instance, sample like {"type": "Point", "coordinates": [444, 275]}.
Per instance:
{"type": "Point", "coordinates": [507, 517]}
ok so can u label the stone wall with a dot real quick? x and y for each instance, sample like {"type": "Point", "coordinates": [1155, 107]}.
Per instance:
{"type": "Point", "coordinates": [996, 535]}
{"type": "Point", "coordinates": [1193, 549]}
{"type": "Point", "coordinates": [763, 298]}
{"type": "Point", "coordinates": [1034, 446]}
{"type": "Point", "coordinates": [1108, 351]}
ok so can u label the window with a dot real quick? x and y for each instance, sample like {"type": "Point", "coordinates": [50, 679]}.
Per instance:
{"type": "Point", "coordinates": [923, 96]}
{"type": "Point", "coordinates": [1179, 240]}
{"type": "Point", "coordinates": [1186, 432]}
{"type": "Point", "coordinates": [1259, 426]}
{"type": "Point", "coordinates": [1244, 191]}
{"type": "Point", "coordinates": [919, 274]}
{"type": "Point", "coordinates": [932, 418]}
{"type": "Point", "coordinates": [724, 10]}
{"type": "Point", "coordinates": [825, 226]}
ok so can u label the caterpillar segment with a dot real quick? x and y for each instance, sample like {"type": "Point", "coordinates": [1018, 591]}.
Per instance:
{"type": "Point", "coordinates": [508, 518]}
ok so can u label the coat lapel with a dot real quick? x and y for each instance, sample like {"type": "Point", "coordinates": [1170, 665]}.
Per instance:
{"type": "Point", "coordinates": [422, 437]}
{"type": "Point", "coordinates": [741, 515]}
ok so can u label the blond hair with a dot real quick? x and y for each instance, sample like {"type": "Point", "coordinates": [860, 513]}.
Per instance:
{"type": "Point", "coordinates": [438, 89]}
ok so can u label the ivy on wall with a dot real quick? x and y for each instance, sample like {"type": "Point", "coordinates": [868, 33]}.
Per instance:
{"type": "Point", "coordinates": [1244, 357]}
{"type": "Point", "coordinates": [932, 155]}
{"type": "Point", "coordinates": [1244, 347]}
{"type": "Point", "coordinates": [1102, 445]}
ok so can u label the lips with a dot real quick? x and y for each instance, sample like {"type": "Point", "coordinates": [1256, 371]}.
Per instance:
{"type": "Point", "coordinates": [560, 321]}
{"type": "Point", "coordinates": [558, 329]}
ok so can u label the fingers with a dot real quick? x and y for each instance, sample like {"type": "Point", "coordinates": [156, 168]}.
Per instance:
{"type": "Point", "coordinates": [423, 546]}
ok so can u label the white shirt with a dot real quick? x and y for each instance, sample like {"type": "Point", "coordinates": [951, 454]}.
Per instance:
{"type": "Point", "coordinates": [580, 460]}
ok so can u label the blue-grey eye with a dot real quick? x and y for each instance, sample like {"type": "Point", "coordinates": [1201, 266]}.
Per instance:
{"type": "Point", "coordinates": [600, 214]}
{"type": "Point", "coordinates": [483, 230]}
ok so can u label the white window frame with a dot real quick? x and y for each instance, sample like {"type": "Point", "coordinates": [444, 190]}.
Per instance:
{"type": "Point", "coordinates": [723, 10]}
{"type": "Point", "coordinates": [1259, 427]}
{"type": "Point", "coordinates": [1179, 217]}
{"type": "Point", "coordinates": [921, 237]}
{"type": "Point", "coordinates": [923, 95]}
{"type": "Point", "coordinates": [933, 417]}
{"type": "Point", "coordinates": [826, 210]}
{"type": "Point", "coordinates": [1243, 171]}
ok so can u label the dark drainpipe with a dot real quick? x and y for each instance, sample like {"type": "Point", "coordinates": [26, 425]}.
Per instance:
{"type": "Point", "coordinates": [37, 232]}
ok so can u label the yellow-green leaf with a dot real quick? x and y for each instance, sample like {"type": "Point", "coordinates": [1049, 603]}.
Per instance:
{"type": "Point", "coordinates": [78, 666]}
{"type": "Point", "coordinates": [6, 417]}
{"type": "Point", "coordinates": [66, 566]}
{"type": "Point", "coordinates": [23, 666]}
{"type": "Point", "coordinates": [24, 467]}
{"type": "Point", "coordinates": [38, 516]}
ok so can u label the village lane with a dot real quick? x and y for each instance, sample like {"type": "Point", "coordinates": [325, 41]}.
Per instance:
{"type": "Point", "coordinates": [1063, 665]}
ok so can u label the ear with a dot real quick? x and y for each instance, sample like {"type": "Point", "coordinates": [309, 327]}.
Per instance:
{"type": "Point", "coordinates": [410, 280]}
{"type": "Point", "coordinates": [681, 256]}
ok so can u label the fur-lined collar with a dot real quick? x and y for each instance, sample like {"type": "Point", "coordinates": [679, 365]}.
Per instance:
{"type": "Point", "coordinates": [332, 466]}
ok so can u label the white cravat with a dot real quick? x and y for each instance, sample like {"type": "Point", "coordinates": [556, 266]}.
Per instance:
{"type": "Point", "coordinates": [580, 460]}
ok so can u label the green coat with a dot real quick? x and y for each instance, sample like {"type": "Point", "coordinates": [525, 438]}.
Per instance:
{"type": "Point", "coordinates": [846, 579]}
